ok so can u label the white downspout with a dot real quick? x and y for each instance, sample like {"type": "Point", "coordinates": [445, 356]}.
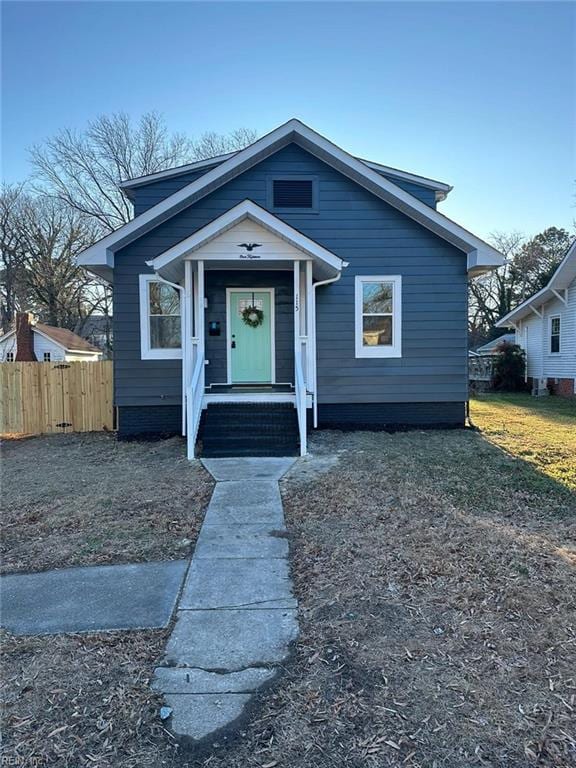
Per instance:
{"type": "Point", "coordinates": [315, 355]}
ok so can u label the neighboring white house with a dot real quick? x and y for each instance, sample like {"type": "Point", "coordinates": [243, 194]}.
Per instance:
{"type": "Point", "coordinates": [545, 326]}
{"type": "Point", "coordinates": [49, 344]}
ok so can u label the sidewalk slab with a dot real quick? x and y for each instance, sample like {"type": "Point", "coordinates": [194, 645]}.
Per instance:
{"type": "Point", "coordinates": [230, 640]}
{"type": "Point", "coordinates": [223, 470]}
{"type": "Point", "coordinates": [198, 715]}
{"type": "Point", "coordinates": [91, 599]}
{"type": "Point", "coordinates": [238, 541]}
{"type": "Point", "coordinates": [185, 680]}
{"type": "Point", "coordinates": [250, 583]}
{"type": "Point", "coordinates": [245, 501]}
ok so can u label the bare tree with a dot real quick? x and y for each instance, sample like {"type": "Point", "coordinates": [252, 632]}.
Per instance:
{"type": "Point", "coordinates": [83, 170]}
{"type": "Point", "coordinates": [212, 144]}
{"type": "Point", "coordinates": [527, 268]}
{"type": "Point", "coordinates": [51, 235]}
{"type": "Point", "coordinates": [12, 282]}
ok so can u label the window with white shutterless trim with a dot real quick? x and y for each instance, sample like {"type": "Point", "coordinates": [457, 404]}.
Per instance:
{"type": "Point", "coordinates": [160, 325]}
{"type": "Point", "coordinates": [378, 316]}
{"type": "Point", "coordinates": [555, 325]}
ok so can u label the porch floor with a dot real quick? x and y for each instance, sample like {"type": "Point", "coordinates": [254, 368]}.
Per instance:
{"type": "Point", "coordinates": [234, 389]}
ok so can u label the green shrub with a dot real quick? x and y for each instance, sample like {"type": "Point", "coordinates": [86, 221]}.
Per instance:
{"type": "Point", "coordinates": [509, 368]}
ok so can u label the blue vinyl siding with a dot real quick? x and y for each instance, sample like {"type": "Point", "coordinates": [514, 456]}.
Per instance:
{"type": "Point", "coordinates": [375, 239]}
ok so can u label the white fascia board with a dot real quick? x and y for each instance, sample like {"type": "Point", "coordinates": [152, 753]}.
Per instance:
{"type": "Point", "coordinates": [564, 274]}
{"type": "Point", "coordinates": [7, 336]}
{"type": "Point", "coordinates": [423, 181]}
{"type": "Point", "coordinates": [246, 210]}
{"type": "Point", "coordinates": [296, 131]}
{"type": "Point", "coordinates": [526, 308]}
{"type": "Point", "coordinates": [178, 171]}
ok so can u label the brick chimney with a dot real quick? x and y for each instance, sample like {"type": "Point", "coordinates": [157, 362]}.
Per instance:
{"type": "Point", "coordinates": [24, 338]}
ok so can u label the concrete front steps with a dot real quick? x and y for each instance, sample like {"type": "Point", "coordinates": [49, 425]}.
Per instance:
{"type": "Point", "coordinates": [249, 429]}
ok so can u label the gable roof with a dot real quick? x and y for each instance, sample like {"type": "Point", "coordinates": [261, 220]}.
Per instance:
{"type": "Point", "coordinates": [481, 256]}
{"type": "Point", "coordinates": [441, 188]}
{"type": "Point", "coordinates": [560, 280]}
{"type": "Point", "coordinates": [328, 264]}
{"type": "Point", "coordinates": [69, 341]}
{"type": "Point", "coordinates": [491, 346]}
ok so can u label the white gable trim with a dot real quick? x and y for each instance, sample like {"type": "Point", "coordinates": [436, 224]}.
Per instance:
{"type": "Point", "coordinates": [137, 181]}
{"type": "Point", "coordinates": [562, 277]}
{"type": "Point", "coordinates": [441, 187]}
{"type": "Point", "coordinates": [481, 255]}
{"type": "Point", "coordinates": [246, 210]}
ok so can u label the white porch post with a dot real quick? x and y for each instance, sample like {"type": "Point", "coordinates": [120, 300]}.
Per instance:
{"type": "Point", "coordinates": [186, 337]}
{"type": "Point", "coordinates": [310, 331]}
{"type": "Point", "coordinates": [297, 310]}
{"type": "Point", "coordinates": [200, 306]}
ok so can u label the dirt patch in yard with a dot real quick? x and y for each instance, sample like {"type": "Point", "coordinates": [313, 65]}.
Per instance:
{"type": "Point", "coordinates": [84, 499]}
{"type": "Point", "coordinates": [436, 578]}
{"type": "Point", "coordinates": [83, 700]}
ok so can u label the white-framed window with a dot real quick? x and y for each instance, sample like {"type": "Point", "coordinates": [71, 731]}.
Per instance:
{"type": "Point", "coordinates": [47, 357]}
{"type": "Point", "coordinates": [9, 357]}
{"type": "Point", "coordinates": [378, 316]}
{"type": "Point", "coordinates": [160, 328]}
{"type": "Point", "coordinates": [555, 324]}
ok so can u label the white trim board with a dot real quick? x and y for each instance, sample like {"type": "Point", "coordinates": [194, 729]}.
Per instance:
{"type": "Point", "coordinates": [246, 210]}
{"type": "Point", "coordinates": [146, 351]}
{"type": "Point", "coordinates": [560, 280]}
{"type": "Point", "coordinates": [383, 351]}
{"type": "Point", "coordinates": [424, 181]}
{"type": "Point", "coordinates": [480, 255]}
{"type": "Point", "coordinates": [272, 292]}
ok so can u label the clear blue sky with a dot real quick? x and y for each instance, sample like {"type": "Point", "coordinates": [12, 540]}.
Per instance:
{"type": "Point", "coordinates": [481, 95]}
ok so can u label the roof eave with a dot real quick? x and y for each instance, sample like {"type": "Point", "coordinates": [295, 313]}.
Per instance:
{"type": "Point", "coordinates": [101, 253]}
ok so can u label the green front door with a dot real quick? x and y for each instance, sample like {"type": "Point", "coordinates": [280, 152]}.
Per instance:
{"type": "Point", "coordinates": [250, 348]}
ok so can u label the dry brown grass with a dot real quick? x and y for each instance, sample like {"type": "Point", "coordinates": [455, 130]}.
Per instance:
{"type": "Point", "coordinates": [83, 700]}
{"type": "Point", "coordinates": [435, 574]}
{"type": "Point", "coordinates": [436, 582]}
{"type": "Point", "coordinates": [82, 499]}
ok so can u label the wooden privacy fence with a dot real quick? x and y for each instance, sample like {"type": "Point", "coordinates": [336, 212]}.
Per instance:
{"type": "Point", "coordinates": [39, 398]}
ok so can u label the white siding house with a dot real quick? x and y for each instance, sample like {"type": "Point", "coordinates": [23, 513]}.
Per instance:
{"type": "Point", "coordinates": [545, 327]}
{"type": "Point", "coordinates": [50, 345]}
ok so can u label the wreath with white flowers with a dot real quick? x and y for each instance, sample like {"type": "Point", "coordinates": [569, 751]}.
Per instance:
{"type": "Point", "coordinates": [252, 316]}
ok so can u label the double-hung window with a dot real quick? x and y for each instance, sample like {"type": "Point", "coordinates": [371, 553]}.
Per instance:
{"type": "Point", "coordinates": [555, 334]}
{"type": "Point", "coordinates": [378, 321]}
{"type": "Point", "coordinates": [159, 320]}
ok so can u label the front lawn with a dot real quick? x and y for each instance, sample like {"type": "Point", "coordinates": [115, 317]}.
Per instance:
{"type": "Point", "coordinates": [436, 579]}
{"type": "Point", "coordinates": [85, 499]}
{"type": "Point", "coordinates": [541, 430]}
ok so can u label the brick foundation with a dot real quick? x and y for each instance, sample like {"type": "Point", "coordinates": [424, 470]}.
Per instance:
{"type": "Point", "coordinates": [561, 387]}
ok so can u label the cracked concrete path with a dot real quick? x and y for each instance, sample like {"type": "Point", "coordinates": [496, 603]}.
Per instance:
{"type": "Point", "coordinates": [237, 615]}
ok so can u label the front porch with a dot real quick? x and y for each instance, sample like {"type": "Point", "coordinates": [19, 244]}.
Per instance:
{"type": "Point", "coordinates": [247, 259]}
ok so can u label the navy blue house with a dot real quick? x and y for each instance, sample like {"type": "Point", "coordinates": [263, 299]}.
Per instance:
{"type": "Point", "coordinates": [285, 287]}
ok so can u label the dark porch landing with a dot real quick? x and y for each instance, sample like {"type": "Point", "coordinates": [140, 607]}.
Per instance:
{"type": "Point", "coordinates": [237, 389]}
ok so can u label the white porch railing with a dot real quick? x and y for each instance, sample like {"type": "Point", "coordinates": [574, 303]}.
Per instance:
{"type": "Point", "coordinates": [194, 397]}
{"type": "Point", "coordinates": [300, 388]}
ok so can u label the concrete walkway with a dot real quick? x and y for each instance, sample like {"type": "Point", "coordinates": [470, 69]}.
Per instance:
{"type": "Point", "coordinates": [91, 599]}
{"type": "Point", "coordinates": [237, 616]}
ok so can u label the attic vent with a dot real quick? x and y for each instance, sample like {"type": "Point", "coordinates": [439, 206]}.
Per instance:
{"type": "Point", "coordinates": [293, 193]}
